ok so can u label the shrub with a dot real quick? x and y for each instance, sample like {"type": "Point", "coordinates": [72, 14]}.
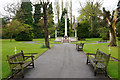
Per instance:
{"type": "Point", "coordinates": [83, 30]}
{"type": "Point", "coordinates": [26, 34]}
{"type": "Point", "coordinates": [119, 38]}
{"type": "Point", "coordinates": [43, 46]}
{"type": "Point", "coordinates": [104, 33]}
{"type": "Point", "coordinates": [23, 36]}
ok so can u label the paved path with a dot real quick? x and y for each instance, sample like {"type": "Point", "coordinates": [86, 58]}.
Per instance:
{"type": "Point", "coordinates": [62, 61]}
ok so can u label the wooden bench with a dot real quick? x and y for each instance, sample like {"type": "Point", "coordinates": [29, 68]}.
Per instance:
{"type": "Point", "coordinates": [79, 46]}
{"type": "Point", "coordinates": [19, 62]}
{"type": "Point", "coordinates": [99, 61]}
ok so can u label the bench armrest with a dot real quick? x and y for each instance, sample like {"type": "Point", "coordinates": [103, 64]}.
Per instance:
{"type": "Point", "coordinates": [16, 62]}
{"type": "Point", "coordinates": [90, 54]}
{"type": "Point", "coordinates": [28, 56]}
{"type": "Point", "coordinates": [96, 60]}
{"type": "Point", "coordinates": [31, 53]}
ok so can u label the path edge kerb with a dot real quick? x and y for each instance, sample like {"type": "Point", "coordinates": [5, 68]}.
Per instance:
{"type": "Point", "coordinates": [43, 53]}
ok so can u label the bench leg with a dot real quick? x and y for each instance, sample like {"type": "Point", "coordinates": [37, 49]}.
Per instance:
{"type": "Point", "coordinates": [95, 73]}
{"type": "Point", "coordinates": [87, 60]}
{"type": "Point", "coordinates": [105, 73]}
{"type": "Point", "coordinates": [33, 64]}
{"type": "Point", "coordinates": [95, 69]}
{"type": "Point", "coordinates": [22, 75]}
{"type": "Point", "coordinates": [22, 71]}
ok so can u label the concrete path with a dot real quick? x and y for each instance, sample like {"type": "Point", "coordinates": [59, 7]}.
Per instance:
{"type": "Point", "coordinates": [62, 61]}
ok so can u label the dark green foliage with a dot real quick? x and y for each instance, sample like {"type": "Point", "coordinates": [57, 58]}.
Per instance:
{"type": "Point", "coordinates": [38, 26]}
{"type": "Point", "coordinates": [96, 25]}
{"type": "Point", "coordinates": [43, 46]}
{"type": "Point", "coordinates": [50, 24]}
{"type": "Point", "coordinates": [104, 33]}
{"type": "Point", "coordinates": [61, 26]}
{"type": "Point", "coordinates": [38, 31]}
{"type": "Point", "coordinates": [118, 29]}
{"type": "Point", "coordinates": [91, 13]}
{"type": "Point", "coordinates": [24, 36]}
{"type": "Point", "coordinates": [24, 14]}
{"type": "Point", "coordinates": [50, 9]}
{"type": "Point", "coordinates": [83, 30]}
{"type": "Point", "coordinates": [103, 29]}
{"type": "Point", "coordinates": [4, 21]}
{"type": "Point", "coordinates": [37, 14]}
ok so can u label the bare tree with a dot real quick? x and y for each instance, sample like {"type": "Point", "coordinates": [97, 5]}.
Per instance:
{"type": "Point", "coordinates": [112, 28]}
{"type": "Point", "coordinates": [11, 9]}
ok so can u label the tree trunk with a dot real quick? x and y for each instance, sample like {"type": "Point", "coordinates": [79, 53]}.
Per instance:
{"type": "Point", "coordinates": [112, 37]}
{"type": "Point", "coordinates": [11, 37]}
{"type": "Point", "coordinates": [92, 17]}
{"type": "Point", "coordinates": [45, 26]}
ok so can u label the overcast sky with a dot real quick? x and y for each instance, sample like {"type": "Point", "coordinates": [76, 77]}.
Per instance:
{"type": "Point", "coordinates": [108, 4]}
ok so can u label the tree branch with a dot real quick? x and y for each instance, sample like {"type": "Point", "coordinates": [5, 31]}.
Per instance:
{"type": "Point", "coordinates": [108, 21]}
{"type": "Point", "coordinates": [83, 8]}
{"type": "Point", "coordinates": [118, 20]}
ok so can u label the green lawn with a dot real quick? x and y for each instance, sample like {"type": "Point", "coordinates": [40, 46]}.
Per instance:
{"type": "Point", "coordinates": [51, 41]}
{"type": "Point", "coordinates": [88, 40]}
{"type": "Point", "coordinates": [9, 47]}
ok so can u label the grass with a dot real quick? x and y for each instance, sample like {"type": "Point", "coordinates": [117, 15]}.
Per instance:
{"type": "Point", "coordinates": [9, 47]}
{"type": "Point", "coordinates": [51, 41]}
{"type": "Point", "coordinates": [88, 40]}
{"type": "Point", "coordinates": [113, 69]}
{"type": "Point", "coordinates": [103, 47]}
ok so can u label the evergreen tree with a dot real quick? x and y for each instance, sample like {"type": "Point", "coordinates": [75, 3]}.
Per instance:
{"type": "Point", "coordinates": [37, 29]}
{"type": "Point", "coordinates": [24, 14]}
{"type": "Point", "coordinates": [61, 26]}
{"type": "Point", "coordinates": [50, 17]}
{"type": "Point", "coordinates": [37, 13]}
{"type": "Point", "coordinates": [103, 29]}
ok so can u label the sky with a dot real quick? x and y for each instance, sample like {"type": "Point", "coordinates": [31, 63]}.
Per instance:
{"type": "Point", "coordinates": [108, 4]}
